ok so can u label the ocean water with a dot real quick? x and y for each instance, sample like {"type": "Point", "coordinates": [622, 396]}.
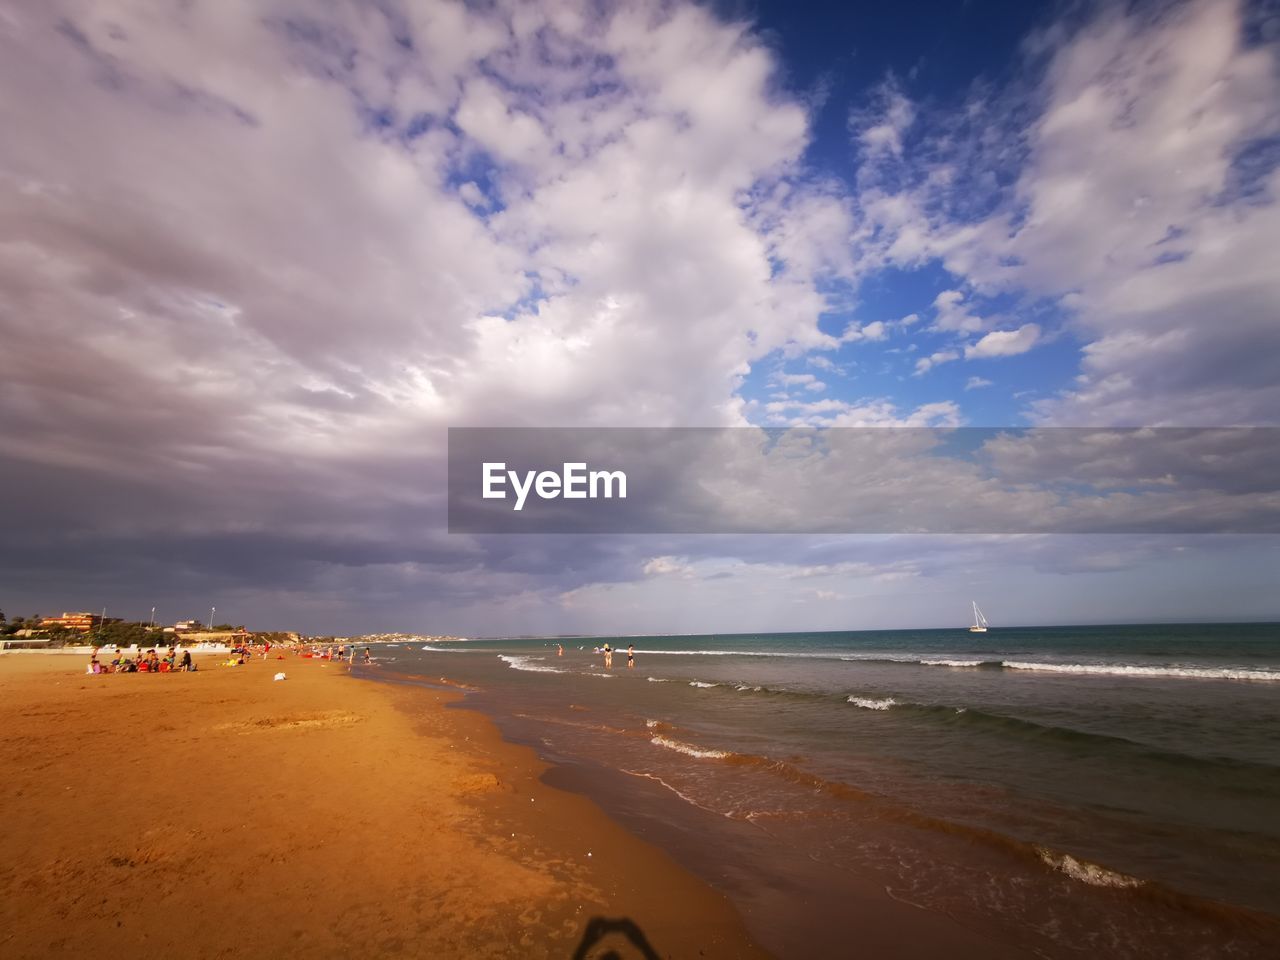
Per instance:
{"type": "Point", "coordinates": [1106, 789]}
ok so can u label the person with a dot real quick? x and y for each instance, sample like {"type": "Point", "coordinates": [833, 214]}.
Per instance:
{"type": "Point", "coordinates": [368, 657]}
{"type": "Point", "coordinates": [559, 649]}
{"type": "Point", "coordinates": [186, 660]}
{"type": "Point", "coordinates": [608, 656]}
{"type": "Point", "coordinates": [631, 655]}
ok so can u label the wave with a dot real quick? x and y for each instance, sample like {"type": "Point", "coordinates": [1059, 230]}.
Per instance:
{"type": "Point", "coordinates": [430, 649]}
{"type": "Point", "coordinates": [1151, 671]}
{"type": "Point", "coordinates": [688, 749]}
{"type": "Point", "coordinates": [1086, 872]}
{"type": "Point", "coordinates": [868, 704]}
{"type": "Point", "coordinates": [740, 653]}
{"type": "Point", "coordinates": [700, 683]}
{"type": "Point", "coordinates": [1135, 670]}
{"type": "Point", "coordinates": [1228, 916]}
{"type": "Point", "coordinates": [528, 664]}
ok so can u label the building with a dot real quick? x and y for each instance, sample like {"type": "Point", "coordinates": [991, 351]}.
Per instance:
{"type": "Point", "coordinates": [83, 622]}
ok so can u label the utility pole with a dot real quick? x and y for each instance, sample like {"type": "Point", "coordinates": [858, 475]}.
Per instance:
{"type": "Point", "coordinates": [152, 624]}
{"type": "Point", "coordinates": [211, 610]}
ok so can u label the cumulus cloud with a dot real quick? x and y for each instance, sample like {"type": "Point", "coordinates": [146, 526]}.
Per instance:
{"type": "Point", "coordinates": [254, 258]}
{"type": "Point", "coordinates": [1140, 151]}
{"type": "Point", "coordinates": [938, 357]}
{"type": "Point", "coordinates": [953, 314]}
{"type": "Point", "coordinates": [1004, 343]}
{"type": "Point", "coordinates": [854, 332]}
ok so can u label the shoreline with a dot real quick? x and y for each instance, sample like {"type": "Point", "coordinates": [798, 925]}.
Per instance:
{"type": "Point", "coordinates": [789, 897]}
{"type": "Point", "coordinates": [795, 919]}
{"type": "Point", "coordinates": [221, 813]}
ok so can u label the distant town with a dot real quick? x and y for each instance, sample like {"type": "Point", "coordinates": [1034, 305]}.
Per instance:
{"type": "Point", "coordinates": [83, 628]}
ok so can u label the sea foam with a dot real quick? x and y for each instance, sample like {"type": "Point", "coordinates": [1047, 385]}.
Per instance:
{"type": "Point", "coordinates": [1086, 872]}
{"type": "Point", "coordinates": [527, 664]}
{"type": "Point", "coordinates": [688, 749]}
{"type": "Point", "coordinates": [1135, 670]}
{"type": "Point", "coordinates": [868, 704]}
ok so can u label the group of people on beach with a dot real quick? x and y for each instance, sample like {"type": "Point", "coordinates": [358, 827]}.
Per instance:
{"type": "Point", "coordinates": [149, 662]}
{"type": "Point", "coordinates": [342, 652]}
{"type": "Point", "coordinates": [608, 655]}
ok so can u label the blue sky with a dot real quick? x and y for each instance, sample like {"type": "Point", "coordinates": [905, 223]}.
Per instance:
{"type": "Point", "coordinates": [292, 244]}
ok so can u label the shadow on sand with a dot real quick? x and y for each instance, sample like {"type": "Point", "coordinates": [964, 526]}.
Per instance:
{"type": "Point", "coordinates": [603, 937]}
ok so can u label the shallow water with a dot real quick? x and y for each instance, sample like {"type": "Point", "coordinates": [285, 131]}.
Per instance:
{"type": "Point", "coordinates": [1116, 787]}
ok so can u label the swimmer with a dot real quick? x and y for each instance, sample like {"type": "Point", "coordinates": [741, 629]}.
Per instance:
{"type": "Point", "coordinates": [631, 655]}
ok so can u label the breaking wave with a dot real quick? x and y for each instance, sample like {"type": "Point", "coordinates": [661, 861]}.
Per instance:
{"type": "Point", "coordinates": [1135, 670]}
{"type": "Point", "coordinates": [527, 664]}
{"type": "Point", "coordinates": [868, 704]}
{"type": "Point", "coordinates": [1086, 872]}
{"type": "Point", "coordinates": [688, 749]}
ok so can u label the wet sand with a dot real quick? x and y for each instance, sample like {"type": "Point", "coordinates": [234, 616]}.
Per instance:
{"type": "Point", "coordinates": [221, 814]}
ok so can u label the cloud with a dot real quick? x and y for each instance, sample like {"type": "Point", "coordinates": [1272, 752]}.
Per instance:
{"type": "Point", "coordinates": [1128, 183]}
{"type": "Point", "coordinates": [854, 332]}
{"type": "Point", "coordinates": [951, 314]}
{"type": "Point", "coordinates": [1004, 343]}
{"type": "Point", "coordinates": [254, 260]}
{"type": "Point", "coordinates": [666, 566]}
{"type": "Point", "coordinates": [806, 380]}
{"type": "Point", "coordinates": [976, 383]}
{"type": "Point", "coordinates": [881, 129]}
{"type": "Point", "coordinates": [938, 357]}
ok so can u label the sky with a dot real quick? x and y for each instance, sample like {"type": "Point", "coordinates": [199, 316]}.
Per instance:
{"type": "Point", "coordinates": [257, 257]}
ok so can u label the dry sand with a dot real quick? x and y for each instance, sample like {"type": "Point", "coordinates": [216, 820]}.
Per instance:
{"type": "Point", "coordinates": [221, 814]}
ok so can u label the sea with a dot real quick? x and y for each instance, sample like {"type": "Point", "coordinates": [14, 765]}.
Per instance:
{"type": "Point", "coordinates": [1102, 790]}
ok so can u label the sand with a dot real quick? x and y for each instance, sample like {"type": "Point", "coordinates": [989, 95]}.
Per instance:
{"type": "Point", "coordinates": [221, 814]}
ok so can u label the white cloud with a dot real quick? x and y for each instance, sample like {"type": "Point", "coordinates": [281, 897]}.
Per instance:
{"type": "Point", "coordinates": [667, 566]}
{"type": "Point", "coordinates": [951, 314]}
{"type": "Point", "coordinates": [292, 248]}
{"type": "Point", "coordinates": [1004, 343]}
{"type": "Point", "coordinates": [1143, 205]}
{"type": "Point", "coordinates": [806, 380]}
{"type": "Point", "coordinates": [938, 357]}
{"type": "Point", "coordinates": [976, 383]}
{"type": "Point", "coordinates": [855, 332]}
{"type": "Point", "coordinates": [882, 129]}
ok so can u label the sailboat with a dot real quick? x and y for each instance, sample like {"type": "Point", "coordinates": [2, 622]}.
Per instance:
{"type": "Point", "coordinates": [979, 621]}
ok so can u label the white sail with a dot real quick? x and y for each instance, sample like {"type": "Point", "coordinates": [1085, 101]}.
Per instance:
{"type": "Point", "coordinates": [979, 621]}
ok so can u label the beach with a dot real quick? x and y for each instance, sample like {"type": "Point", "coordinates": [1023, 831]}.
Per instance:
{"type": "Point", "coordinates": [221, 814]}
{"type": "Point", "coordinates": [873, 795]}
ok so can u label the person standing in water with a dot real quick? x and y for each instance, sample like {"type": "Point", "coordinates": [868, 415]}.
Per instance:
{"type": "Point", "coordinates": [559, 649]}
{"type": "Point", "coordinates": [631, 655]}
{"type": "Point", "coordinates": [608, 656]}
